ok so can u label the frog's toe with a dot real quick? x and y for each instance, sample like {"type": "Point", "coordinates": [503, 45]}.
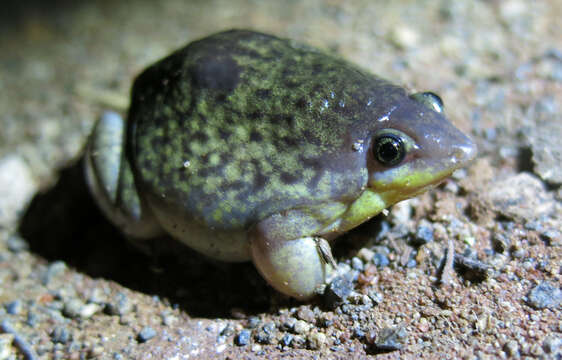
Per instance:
{"type": "Point", "coordinates": [297, 268]}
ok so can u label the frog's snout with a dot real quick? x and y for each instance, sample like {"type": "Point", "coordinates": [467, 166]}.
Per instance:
{"type": "Point", "coordinates": [464, 153]}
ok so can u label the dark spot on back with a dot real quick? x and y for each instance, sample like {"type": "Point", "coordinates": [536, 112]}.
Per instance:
{"type": "Point", "coordinates": [200, 136]}
{"type": "Point", "coordinates": [259, 180]}
{"type": "Point", "coordinates": [224, 134]}
{"type": "Point", "coordinates": [156, 141]}
{"type": "Point", "coordinates": [226, 157]}
{"type": "Point", "coordinates": [235, 185]}
{"type": "Point", "coordinates": [318, 88]}
{"type": "Point", "coordinates": [216, 71]}
{"type": "Point", "coordinates": [263, 94]}
{"type": "Point", "coordinates": [288, 178]}
{"type": "Point", "coordinates": [255, 136]}
{"type": "Point", "coordinates": [313, 183]}
{"type": "Point", "coordinates": [311, 163]}
{"type": "Point", "coordinates": [301, 103]}
{"type": "Point", "coordinates": [289, 141]}
{"type": "Point", "coordinates": [291, 84]}
{"type": "Point", "coordinates": [287, 72]}
{"type": "Point", "coordinates": [254, 115]}
{"type": "Point", "coordinates": [317, 69]}
{"type": "Point", "coordinates": [285, 119]}
{"type": "Point", "coordinates": [307, 134]}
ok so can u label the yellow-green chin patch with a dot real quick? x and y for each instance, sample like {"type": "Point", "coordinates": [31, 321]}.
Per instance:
{"type": "Point", "coordinates": [406, 180]}
{"type": "Point", "coordinates": [363, 208]}
{"type": "Point", "coordinates": [382, 194]}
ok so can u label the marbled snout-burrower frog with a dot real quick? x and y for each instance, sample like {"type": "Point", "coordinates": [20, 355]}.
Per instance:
{"type": "Point", "coordinates": [245, 146]}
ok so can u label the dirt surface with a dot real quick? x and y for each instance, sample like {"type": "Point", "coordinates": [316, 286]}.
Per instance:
{"type": "Point", "coordinates": [469, 270]}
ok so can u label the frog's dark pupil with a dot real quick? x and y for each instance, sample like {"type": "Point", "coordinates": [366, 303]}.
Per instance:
{"type": "Point", "coordinates": [389, 150]}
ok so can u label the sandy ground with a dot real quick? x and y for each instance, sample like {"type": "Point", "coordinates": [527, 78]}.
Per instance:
{"type": "Point", "coordinates": [470, 270]}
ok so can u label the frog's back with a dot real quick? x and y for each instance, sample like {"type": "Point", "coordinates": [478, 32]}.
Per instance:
{"type": "Point", "coordinates": [241, 125]}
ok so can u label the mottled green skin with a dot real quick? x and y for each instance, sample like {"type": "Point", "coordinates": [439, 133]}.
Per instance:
{"type": "Point", "coordinates": [266, 125]}
{"type": "Point", "coordinates": [246, 146]}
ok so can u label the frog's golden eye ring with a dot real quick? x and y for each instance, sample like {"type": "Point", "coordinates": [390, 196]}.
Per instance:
{"type": "Point", "coordinates": [430, 100]}
{"type": "Point", "coordinates": [389, 149]}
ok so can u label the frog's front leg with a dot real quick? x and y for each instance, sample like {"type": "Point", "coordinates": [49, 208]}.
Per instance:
{"type": "Point", "coordinates": [288, 257]}
{"type": "Point", "coordinates": [111, 179]}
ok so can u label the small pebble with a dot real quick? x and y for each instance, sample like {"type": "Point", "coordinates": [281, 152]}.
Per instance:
{"type": "Point", "coordinates": [253, 322]}
{"type": "Point", "coordinates": [53, 270]}
{"type": "Point", "coordinates": [146, 334]}
{"type": "Point", "coordinates": [306, 314]}
{"type": "Point", "coordinates": [266, 333]}
{"type": "Point", "coordinates": [316, 340]}
{"type": "Point", "coordinates": [552, 344]}
{"type": "Point", "coordinates": [301, 327]}
{"type": "Point", "coordinates": [411, 263]}
{"type": "Point", "coordinates": [545, 295]}
{"type": "Point", "coordinates": [380, 260]}
{"type": "Point", "coordinates": [32, 319]}
{"type": "Point", "coordinates": [7, 351]}
{"type": "Point", "coordinates": [424, 234]}
{"type": "Point", "coordinates": [376, 296]}
{"type": "Point", "coordinates": [72, 308]}
{"type": "Point", "coordinates": [227, 331]}
{"type": "Point", "coordinates": [262, 337]}
{"type": "Point", "coordinates": [500, 242]}
{"type": "Point", "coordinates": [357, 264]}
{"type": "Point", "coordinates": [88, 310]}
{"type": "Point", "coordinates": [17, 187]}
{"type": "Point", "coordinates": [269, 327]}
{"type": "Point", "coordinates": [121, 305]}
{"type": "Point", "coordinates": [298, 342]}
{"type": "Point", "coordinates": [518, 253]}
{"type": "Point", "coordinates": [60, 335]}
{"type": "Point", "coordinates": [16, 244]}
{"type": "Point", "coordinates": [511, 348]}
{"type": "Point", "coordinates": [14, 307]}
{"type": "Point", "coordinates": [97, 296]}
{"type": "Point", "coordinates": [553, 237]}
{"type": "Point", "coordinates": [365, 254]}
{"type": "Point", "coordinates": [286, 340]}
{"type": "Point", "coordinates": [388, 339]}
{"type": "Point", "coordinates": [288, 324]}
{"type": "Point", "coordinates": [243, 338]}
{"type": "Point", "coordinates": [358, 333]}
{"type": "Point", "coordinates": [168, 319]}
{"type": "Point", "coordinates": [338, 290]}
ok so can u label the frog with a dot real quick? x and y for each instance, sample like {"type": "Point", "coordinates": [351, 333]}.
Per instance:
{"type": "Point", "coordinates": [245, 146]}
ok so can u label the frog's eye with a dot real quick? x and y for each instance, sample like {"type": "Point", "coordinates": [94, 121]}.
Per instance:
{"type": "Point", "coordinates": [389, 149]}
{"type": "Point", "coordinates": [429, 100]}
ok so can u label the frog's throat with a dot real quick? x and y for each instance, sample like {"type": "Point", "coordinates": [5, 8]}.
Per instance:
{"type": "Point", "coordinates": [378, 196]}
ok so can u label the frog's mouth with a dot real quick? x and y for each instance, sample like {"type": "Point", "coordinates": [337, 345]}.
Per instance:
{"type": "Point", "coordinates": [375, 199]}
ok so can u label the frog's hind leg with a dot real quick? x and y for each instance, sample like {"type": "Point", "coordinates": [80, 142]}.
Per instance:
{"type": "Point", "coordinates": [110, 179]}
{"type": "Point", "coordinates": [291, 261]}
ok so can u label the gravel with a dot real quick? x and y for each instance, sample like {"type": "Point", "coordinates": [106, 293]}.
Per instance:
{"type": "Point", "coordinates": [545, 295]}
{"type": "Point", "coordinates": [146, 334]}
{"type": "Point", "coordinates": [338, 290]}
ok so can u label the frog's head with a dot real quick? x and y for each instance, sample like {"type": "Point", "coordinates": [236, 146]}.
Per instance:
{"type": "Point", "coordinates": [410, 148]}
{"type": "Point", "coordinates": [416, 148]}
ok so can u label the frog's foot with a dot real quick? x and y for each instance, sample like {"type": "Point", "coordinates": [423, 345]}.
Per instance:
{"type": "Point", "coordinates": [111, 180]}
{"type": "Point", "coordinates": [298, 268]}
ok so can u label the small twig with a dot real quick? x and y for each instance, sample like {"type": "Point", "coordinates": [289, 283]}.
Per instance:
{"type": "Point", "coordinates": [446, 276]}
{"type": "Point", "coordinates": [472, 269]}
{"type": "Point", "coordinates": [19, 341]}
